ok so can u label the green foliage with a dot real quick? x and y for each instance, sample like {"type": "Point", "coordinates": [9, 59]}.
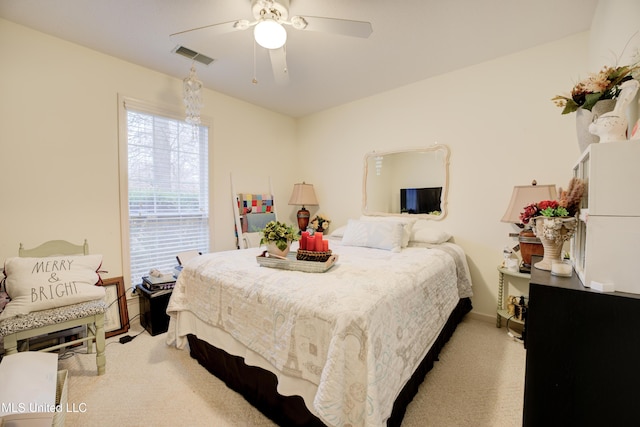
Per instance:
{"type": "Point", "coordinates": [279, 233]}
{"type": "Point", "coordinates": [602, 85]}
{"type": "Point", "coordinates": [550, 212]}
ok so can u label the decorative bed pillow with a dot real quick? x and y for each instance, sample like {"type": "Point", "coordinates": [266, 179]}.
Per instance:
{"type": "Point", "coordinates": [338, 232]}
{"type": "Point", "coordinates": [407, 224]}
{"type": "Point", "coordinates": [35, 284]}
{"type": "Point", "coordinates": [429, 235]}
{"type": "Point", "coordinates": [374, 234]}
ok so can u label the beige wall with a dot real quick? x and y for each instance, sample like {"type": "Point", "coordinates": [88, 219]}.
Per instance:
{"type": "Point", "coordinates": [58, 122]}
{"type": "Point", "coordinates": [59, 144]}
{"type": "Point", "coordinates": [501, 127]}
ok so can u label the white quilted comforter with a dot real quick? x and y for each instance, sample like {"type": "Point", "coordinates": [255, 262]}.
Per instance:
{"type": "Point", "coordinates": [353, 335]}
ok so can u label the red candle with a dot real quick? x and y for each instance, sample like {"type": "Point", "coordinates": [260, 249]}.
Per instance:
{"type": "Point", "coordinates": [318, 242]}
{"type": "Point", "coordinates": [325, 245]}
{"type": "Point", "coordinates": [311, 243]}
{"type": "Point", "coordinates": [303, 240]}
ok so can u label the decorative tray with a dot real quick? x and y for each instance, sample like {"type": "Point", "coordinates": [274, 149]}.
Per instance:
{"type": "Point", "coordinates": [291, 263]}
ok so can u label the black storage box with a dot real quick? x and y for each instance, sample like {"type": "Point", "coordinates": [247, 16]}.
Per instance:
{"type": "Point", "coordinates": [153, 309]}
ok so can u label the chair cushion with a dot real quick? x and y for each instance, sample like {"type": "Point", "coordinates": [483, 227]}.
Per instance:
{"type": "Point", "coordinates": [41, 318]}
{"type": "Point", "coordinates": [35, 284]}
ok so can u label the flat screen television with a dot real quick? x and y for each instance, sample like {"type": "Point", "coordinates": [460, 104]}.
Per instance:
{"type": "Point", "coordinates": [420, 200]}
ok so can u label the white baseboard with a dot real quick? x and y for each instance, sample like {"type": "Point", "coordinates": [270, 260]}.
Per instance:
{"type": "Point", "coordinates": [133, 307]}
{"type": "Point", "coordinates": [483, 317]}
{"type": "Point", "coordinates": [492, 319]}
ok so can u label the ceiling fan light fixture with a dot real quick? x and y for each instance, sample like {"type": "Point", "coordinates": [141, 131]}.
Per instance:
{"type": "Point", "coordinates": [270, 34]}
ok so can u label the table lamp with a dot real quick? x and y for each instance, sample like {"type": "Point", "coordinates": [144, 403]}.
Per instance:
{"type": "Point", "coordinates": [522, 196]}
{"type": "Point", "coordinates": [303, 194]}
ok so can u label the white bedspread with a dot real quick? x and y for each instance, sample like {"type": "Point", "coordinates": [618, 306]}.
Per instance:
{"type": "Point", "coordinates": [355, 333]}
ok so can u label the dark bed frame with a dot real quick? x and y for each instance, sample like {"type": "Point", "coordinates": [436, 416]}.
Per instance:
{"type": "Point", "coordinates": [259, 386]}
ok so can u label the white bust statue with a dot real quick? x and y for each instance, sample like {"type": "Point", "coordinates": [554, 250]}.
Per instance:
{"type": "Point", "coordinates": [612, 126]}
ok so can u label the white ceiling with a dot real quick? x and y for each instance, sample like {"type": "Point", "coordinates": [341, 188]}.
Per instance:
{"type": "Point", "coordinates": [411, 41]}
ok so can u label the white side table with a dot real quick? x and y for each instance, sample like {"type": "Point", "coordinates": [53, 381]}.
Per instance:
{"type": "Point", "coordinates": [502, 313]}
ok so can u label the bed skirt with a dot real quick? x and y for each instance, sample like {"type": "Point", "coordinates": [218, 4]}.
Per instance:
{"type": "Point", "coordinates": [259, 386]}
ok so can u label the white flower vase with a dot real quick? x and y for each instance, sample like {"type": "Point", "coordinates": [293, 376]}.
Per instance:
{"type": "Point", "coordinates": [553, 232]}
{"type": "Point", "coordinates": [584, 118]}
{"type": "Point", "coordinates": [273, 249]}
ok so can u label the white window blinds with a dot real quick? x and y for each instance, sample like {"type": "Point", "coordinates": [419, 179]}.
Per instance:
{"type": "Point", "coordinates": [168, 197]}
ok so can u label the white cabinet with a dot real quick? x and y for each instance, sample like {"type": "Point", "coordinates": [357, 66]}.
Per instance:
{"type": "Point", "coordinates": [607, 242]}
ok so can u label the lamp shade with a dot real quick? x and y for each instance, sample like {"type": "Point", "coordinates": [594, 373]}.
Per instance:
{"type": "Point", "coordinates": [303, 194]}
{"type": "Point", "coordinates": [270, 34]}
{"type": "Point", "coordinates": [524, 195]}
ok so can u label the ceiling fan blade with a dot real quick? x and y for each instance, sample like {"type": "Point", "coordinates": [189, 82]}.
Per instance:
{"type": "Point", "coordinates": [279, 65]}
{"type": "Point", "coordinates": [215, 29]}
{"type": "Point", "coordinates": [343, 27]}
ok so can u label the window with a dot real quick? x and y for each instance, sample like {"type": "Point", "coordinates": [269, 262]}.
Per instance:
{"type": "Point", "coordinates": [167, 197]}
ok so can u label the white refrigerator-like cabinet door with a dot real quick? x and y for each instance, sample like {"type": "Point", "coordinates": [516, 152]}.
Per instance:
{"type": "Point", "coordinates": [614, 179]}
{"type": "Point", "coordinates": [613, 252]}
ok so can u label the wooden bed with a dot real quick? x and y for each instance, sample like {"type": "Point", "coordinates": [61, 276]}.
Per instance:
{"type": "Point", "coordinates": [346, 347]}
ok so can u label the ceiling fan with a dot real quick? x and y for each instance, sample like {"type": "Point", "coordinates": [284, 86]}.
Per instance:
{"type": "Point", "coordinates": [270, 17]}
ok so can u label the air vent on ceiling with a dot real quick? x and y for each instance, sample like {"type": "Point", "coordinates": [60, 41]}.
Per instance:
{"type": "Point", "coordinates": [192, 54]}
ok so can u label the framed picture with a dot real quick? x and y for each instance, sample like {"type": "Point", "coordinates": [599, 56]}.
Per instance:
{"type": "Point", "coordinates": [116, 318]}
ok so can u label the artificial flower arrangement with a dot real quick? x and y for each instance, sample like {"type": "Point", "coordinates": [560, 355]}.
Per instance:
{"type": "Point", "coordinates": [319, 222]}
{"type": "Point", "coordinates": [279, 233]}
{"type": "Point", "coordinates": [566, 206]}
{"type": "Point", "coordinates": [602, 85]}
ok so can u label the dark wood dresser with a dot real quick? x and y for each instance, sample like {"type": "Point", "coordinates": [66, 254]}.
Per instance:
{"type": "Point", "coordinates": [583, 355]}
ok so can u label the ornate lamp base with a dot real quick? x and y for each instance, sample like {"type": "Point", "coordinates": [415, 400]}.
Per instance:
{"type": "Point", "coordinates": [303, 219]}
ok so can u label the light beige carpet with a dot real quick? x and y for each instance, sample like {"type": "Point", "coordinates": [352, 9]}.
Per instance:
{"type": "Point", "coordinates": [479, 381]}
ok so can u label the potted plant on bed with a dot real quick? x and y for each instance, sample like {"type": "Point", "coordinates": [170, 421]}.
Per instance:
{"type": "Point", "coordinates": [277, 236]}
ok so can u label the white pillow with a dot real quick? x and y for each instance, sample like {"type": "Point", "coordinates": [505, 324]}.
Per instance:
{"type": "Point", "coordinates": [407, 224]}
{"type": "Point", "coordinates": [36, 284]}
{"type": "Point", "coordinates": [338, 232]}
{"type": "Point", "coordinates": [374, 234]}
{"type": "Point", "coordinates": [422, 223]}
{"type": "Point", "coordinates": [430, 235]}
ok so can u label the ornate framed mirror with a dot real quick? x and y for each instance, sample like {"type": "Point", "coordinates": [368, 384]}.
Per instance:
{"type": "Point", "coordinates": [407, 182]}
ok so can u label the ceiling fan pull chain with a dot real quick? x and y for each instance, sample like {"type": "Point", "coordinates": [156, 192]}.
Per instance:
{"type": "Point", "coordinates": [255, 80]}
